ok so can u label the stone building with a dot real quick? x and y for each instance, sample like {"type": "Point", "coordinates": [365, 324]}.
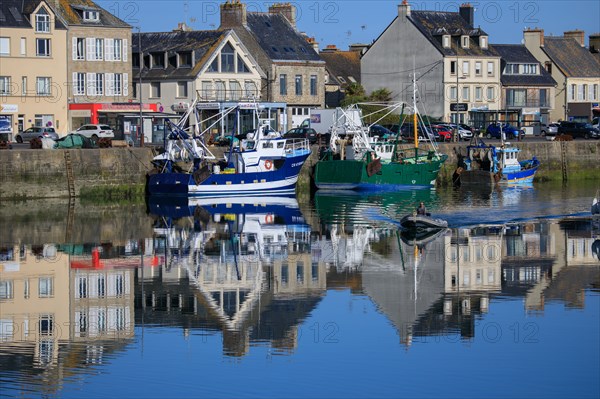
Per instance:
{"type": "Point", "coordinates": [457, 72]}
{"type": "Point", "coordinates": [295, 74]}
{"type": "Point", "coordinates": [343, 69]}
{"type": "Point", "coordinates": [573, 67]}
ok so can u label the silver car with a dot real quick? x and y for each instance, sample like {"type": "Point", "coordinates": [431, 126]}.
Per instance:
{"type": "Point", "coordinates": [36, 132]}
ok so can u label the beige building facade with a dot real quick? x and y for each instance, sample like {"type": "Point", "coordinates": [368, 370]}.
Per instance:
{"type": "Point", "coordinates": [33, 65]}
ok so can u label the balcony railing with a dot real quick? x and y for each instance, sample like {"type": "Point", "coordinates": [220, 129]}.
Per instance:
{"type": "Point", "coordinates": [527, 104]}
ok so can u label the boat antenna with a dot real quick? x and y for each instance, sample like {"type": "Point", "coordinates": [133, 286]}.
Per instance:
{"type": "Point", "coordinates": [237, 115]}
{"type": "Point", "coordinates": [415, 128]}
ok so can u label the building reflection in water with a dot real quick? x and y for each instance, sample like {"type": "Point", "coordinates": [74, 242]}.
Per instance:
{"type": "Point", "coordinates": [252, 271]}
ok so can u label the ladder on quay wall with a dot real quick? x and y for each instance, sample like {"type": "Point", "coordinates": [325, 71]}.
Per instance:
{"type": "Point", "coordinates": [69, 170]}
{"type": "Point", "coordinates": [563, 154]}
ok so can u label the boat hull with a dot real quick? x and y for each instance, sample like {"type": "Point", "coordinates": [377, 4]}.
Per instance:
{"type": "Point", "coordinates": [521, 177]}
{"type": "Point", "coordinates": [278, 182]}
{"type": "Point", "coordinates": [353, 175]}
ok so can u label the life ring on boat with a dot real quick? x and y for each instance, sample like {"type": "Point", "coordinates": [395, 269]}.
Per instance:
{"type": "Point", "coordinates": [268, 164]}
{"type": "Point", "coordinates": [269, 219]}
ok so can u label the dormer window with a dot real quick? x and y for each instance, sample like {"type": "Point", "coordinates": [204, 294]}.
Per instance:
{"type": "Point", "coordinates": [42, 21]}
{"type": "Point", "coordinates": [483, 42]}
{"type": "Point", "coordinates": [158, 60]}
{"type": "Point", "coordinates": [185, 59]}
{"type": "Point", "coordinates": [91, 16]}
{"type": "Point", "coordinates": [446, 41]}
{"type": "Point", "coordinates": [464, 41]}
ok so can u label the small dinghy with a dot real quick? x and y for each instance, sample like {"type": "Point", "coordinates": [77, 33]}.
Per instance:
{"type": "Point", "coordinates": [596, 204]}
{"type": "Point", "coordinates": [422, 222]}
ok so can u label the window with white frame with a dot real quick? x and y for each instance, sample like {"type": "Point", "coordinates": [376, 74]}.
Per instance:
{"type": "Point", "coordinates": [490, 68]}
{"type": "Point", "coordinates": [23, 46]}
{"type": "Point", "coordinates": [313, 85]}
{"type": "Point", "coordinates": [81, 287]}
{"type": "Point", "coordinates": [4, 85]}
{"type": "Point", "coordinates": [466, 93]}
{"type": "Point", "coordinates": [42, 47]}
{"type": "Point", "coordinates": [227, 58]}
{"type": "Point", "coordinates": [571, 92]}
{"type": "Point", "coordinates": [529, 69]}
{"type": "Point", "coordinates": [117, 49]}
{"type": "Point", "coordinates": [478, 93]}
{"type": "Point", "coordinates": [446, 41]}
{"type": "Point", "coordinates": [477, 68]}
{"type": "Point", "coordinates": [511, 69]}
{"type": "Point", "coordinates": [43, 86]}
{"type": "Point", "coordinates": [452, 67]}
{"type": "Point", "coordinates": [235, 90]}
{"type": "Point", "coordinates": [4, 46]}
{"type": "Point", "coordinates": [6, 289]}
{"type": "Point", "coordinates": [78, 48]}
{"type": "Point", "coordinates": [483, 42]}
{"type": "Point", "coordinates": [491, 93]}
{"type": "Point", "coordinates": [24, 85]}
{"type": "Point", "coordinates": [42, 21]}
{"type": "Point", "coordinates": [220, 90]}
{"type": "Point", "coordinates": [298, 85]}
{"type": "Point", "coordinates": [98, 50]}
{"type": "Point", "coordinates": [78, 84]}
{"type": "Point", "coordinates": [581, 92]}
{"type": "Point", "coordinates": [91, 16]}
{"type": "Point", "coordinates": [99, 84]}
{"type": "Point", "coordinates": [466, 66]}
{"type": "Point", "coordinates": [45, 287]}
{"type": "Point", "coordinates": [155, 89]}
{"type": "Point", "coordinates": [182, 89]}
{"type": "Point", "coordinates": [46, 324]}
{"type": "Point", "coordinates": [452, 93]}
{"type": "Point", "coordinates": [464, 40]}
{"type": "Point", "coordinates": [207, 89]}
{"type": "Point", "coordinates": [241, 65]}
{"type": "Point", "coordinates": [283, 84]}
{"type": "Point", "coordinates": [594, 92]}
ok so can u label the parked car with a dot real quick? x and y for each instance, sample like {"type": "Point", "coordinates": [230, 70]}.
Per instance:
{"type": "Point", "coordinates": [95, 131]}
{"type": "Point", "coordinates": [381, 132]}
{"type": "Point", "coordinates": [463, 133]}
{"type": "Point", "coordinates": [595, 123]}
{"type": "Point", "coordinates": [36, 132]}
{"type": "Point", "coordinates": [511, 132]}
{"type": "Point", "coordinates": [578, 130]}
{"type": "Point", "coordinates": [302, 133]}
{"type": "Point", "coordinates": [443, 133]}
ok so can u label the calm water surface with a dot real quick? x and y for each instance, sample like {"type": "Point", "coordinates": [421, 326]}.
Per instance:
{"type": "Point", "coordinates": [323, 298]}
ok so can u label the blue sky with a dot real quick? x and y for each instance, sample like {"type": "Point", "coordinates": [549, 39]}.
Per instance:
{"type": "Point", "coordinates": [345, 22]}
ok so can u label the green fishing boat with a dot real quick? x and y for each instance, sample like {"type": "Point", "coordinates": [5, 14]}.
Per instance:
{"type": "Point", "coordinates": [354, 161]}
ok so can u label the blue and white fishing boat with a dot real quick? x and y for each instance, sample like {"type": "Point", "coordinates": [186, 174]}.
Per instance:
{"type": "Point", "coordinates": [488, 164]}
{"type": "Point", "coordinates": [263, 163]}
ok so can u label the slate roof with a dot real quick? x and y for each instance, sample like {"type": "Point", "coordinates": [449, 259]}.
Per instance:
{"type": "Point", "coordinates": [518, 54]}
{"type": "Point", "coordinates": [435, 24]}
{"type": "Point", "coordinates": [15, 14]}
{"type": "Point", "coordinates": [342, 63]}
{"type": "Point", "coordinates": [71, 12]}
{"type": "Point", "coordinates": [570, 57]}
{"type": "Point", "coordinates": [278, 38]}
{"type": "Point", "coordinates": [201, 43]}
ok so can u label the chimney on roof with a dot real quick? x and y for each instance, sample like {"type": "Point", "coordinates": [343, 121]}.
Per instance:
{"type": "Point", "coordinates": [233, 14]}
{"type": "Point", "coordinates": [358, 47]}
{"type": "Point", "coordinates": [595, 43]}
{"type": "Point", "coordinates": [403, 10]}
{"type": "Point", "coordinates": [576, 34]}
{"type": "Point", "coordinates": [182, 27]}
{"type": "Point", "coordinates": [331, 48]}
{"type": "Point", "coordinates": [313, 42]}
{"type": "Point", "coordinates": [533, 37]}
{"type": "Point", "coordinates": [285, 9]}
{"type": "Point", "coordinates": [467, 13]}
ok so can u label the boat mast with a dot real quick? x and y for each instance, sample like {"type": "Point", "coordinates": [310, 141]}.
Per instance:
{"type": "Point", "coordinates": [415, 130]}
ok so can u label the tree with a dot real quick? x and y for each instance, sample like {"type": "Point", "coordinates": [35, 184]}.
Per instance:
{"type": "Point", "coordinates": [355, 90]}
{"type": "Point", "coordinates": [381, 95]}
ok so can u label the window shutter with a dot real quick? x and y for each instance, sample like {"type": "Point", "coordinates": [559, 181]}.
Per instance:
{"type": "Point", "coordinates": [108, 55]}
{"type": "Point", "coordinates": [74, 84]}
{"type": "Point", "coordinates": [90, 53]}
{"type": "Point", "coordinates": [74, 49]}
{"type": "Point", "coordinates": [126, 85]}
{"type": "Point", "coordinates": [91, 84]}
{"type": "Point", "coordinates": [110, 83]}
{"type": "Point", "coordinates": [125, 50]}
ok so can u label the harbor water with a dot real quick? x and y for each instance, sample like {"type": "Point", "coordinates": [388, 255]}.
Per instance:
{"type": "Point", "coordinates": [321, 296]}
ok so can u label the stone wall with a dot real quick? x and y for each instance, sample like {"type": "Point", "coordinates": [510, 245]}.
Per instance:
{"type": "Point", "coordinates": [43, 173]}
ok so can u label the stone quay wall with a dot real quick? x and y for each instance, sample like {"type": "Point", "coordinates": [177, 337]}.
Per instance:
{"type": "Point", "coordinates": [43, 173]}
